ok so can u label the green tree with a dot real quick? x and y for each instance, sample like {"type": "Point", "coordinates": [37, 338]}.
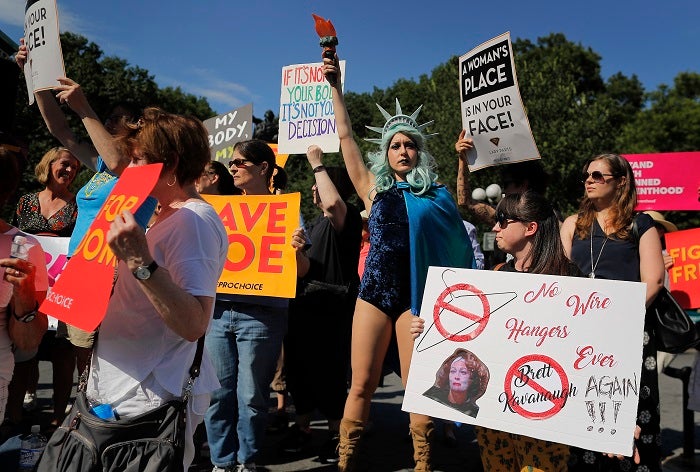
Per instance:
{"type": "Point", "coordinates": [573, 113]}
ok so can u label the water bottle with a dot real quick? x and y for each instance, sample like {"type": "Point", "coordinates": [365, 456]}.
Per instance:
{"type": "Point", "coordinates": [19, 248]}
{"type": "Point", "coordinates": [103, 411]}
{"type": "Point", "coordinates": [32, 447]}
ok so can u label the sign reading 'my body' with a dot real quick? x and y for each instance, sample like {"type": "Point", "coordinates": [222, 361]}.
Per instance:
{"type": "Point", "coordinates": [543, 353]}
{"type": "Point", "coordinates": [491, 107]}
{"type": "Point", "coordinates": [227, 129]}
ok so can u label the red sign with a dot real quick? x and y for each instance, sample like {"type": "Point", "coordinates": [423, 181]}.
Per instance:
{"type": "Point", "coordinates": [479, 322]}
{"type": "Point", "coordinates": [80, 296]}
{"type": "Point", "coordinates": [531, 391]}
{"type": "Point", "coordinates": [666, 181]}
{"type": "Point", "coordinates": [684, 247]}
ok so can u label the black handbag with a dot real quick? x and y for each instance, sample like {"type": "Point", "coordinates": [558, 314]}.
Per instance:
{"type": "Point", "coordinates": [153, 441]}
{"type": "Point", "coordinates": [675, 331]}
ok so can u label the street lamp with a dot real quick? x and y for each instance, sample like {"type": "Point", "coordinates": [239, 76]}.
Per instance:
{"type": "Point", "coordinates": [493, 193]}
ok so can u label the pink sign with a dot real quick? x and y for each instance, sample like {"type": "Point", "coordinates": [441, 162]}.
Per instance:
{"type": "Point", "coordinates": [666, 181]}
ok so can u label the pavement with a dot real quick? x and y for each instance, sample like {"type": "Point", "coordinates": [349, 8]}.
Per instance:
{"type": "Point", "coordinates": [387, 446]}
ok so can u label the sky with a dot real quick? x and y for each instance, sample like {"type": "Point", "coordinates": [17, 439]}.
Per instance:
{"type": "Point", "coordinates": [232, 52]}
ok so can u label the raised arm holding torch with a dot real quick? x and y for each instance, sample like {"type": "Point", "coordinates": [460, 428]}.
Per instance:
{"type": "Point", "coordinates": [329, 40]}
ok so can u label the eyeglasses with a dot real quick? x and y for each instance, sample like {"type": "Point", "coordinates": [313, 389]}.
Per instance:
{"type": "Point", "coordinates": [502, 219]}
{"type": "Point", "coordinates": [239, 162]}
{"type": "Point", "coordinates": [596, 175]}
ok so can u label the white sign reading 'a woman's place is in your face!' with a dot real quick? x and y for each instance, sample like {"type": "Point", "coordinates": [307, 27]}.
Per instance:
{"type": "Point", "coordinates": [539, 355]}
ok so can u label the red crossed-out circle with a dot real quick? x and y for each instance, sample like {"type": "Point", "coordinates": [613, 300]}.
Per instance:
{"type": "Point", "coordinates": [558, 403]}
{"type": "Point", "coordinates": [481, 321]}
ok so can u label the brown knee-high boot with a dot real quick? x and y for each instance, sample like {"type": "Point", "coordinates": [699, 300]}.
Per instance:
{"type": "Point", "coordinates": [422, 434]}
{"type": "Point", "coordinates": [350, 432]}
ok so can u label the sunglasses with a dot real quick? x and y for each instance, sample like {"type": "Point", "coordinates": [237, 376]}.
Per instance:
{"type": "Point", "coordinates": [239, 162]}
{"type": "Point", "coordinates": [502, 219]}
{"type": "Point", "coordinates": [596, 175]}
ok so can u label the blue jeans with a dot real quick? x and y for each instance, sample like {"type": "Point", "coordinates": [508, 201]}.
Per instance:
{"type": "Point", "coordinates": [244, 342]}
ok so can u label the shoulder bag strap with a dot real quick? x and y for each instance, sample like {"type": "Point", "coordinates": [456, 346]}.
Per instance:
{"type": "Point", "coordinates": [635, 230]}
{"type": "Point", "coordinates": [194, 368]}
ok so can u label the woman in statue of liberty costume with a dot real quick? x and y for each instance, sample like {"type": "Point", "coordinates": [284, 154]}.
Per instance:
{"type": "Point", "coordinates": [413, 223]}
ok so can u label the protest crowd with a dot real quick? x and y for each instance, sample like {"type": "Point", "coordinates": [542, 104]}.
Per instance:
{"type": "Point", "coordinates": [171, 326]}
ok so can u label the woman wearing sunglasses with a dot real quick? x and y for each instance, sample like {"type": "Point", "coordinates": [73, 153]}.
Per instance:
{"type": "Point", "coordinates": [245, 338]}
{"type": "Point", "coordinates": [527, 228]}
{"type": "Point", "coordinates": [599, 240]}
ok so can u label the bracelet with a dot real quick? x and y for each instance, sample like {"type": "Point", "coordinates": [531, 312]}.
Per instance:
{"type": "Point", "coordinates": [27, 317]}
{"type": "Point", "coordinates": [319, 168]}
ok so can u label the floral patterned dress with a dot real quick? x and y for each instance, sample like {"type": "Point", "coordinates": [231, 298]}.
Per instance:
{"type": "Point", "coordinates": [29, 219]}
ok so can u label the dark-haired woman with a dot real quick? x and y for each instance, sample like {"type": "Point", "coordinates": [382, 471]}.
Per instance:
{"type": "Point", "coordinates": [245, 339]}
{"type": "Point", "coordinates": [527, 228]}
{"type": "Point", "coordinates": [600, 240]}
{"type": "Point", "coordinates": [216, 180]}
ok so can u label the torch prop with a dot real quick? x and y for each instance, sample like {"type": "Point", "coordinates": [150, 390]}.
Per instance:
{"type": "Point", "coordinates": [329, 40]}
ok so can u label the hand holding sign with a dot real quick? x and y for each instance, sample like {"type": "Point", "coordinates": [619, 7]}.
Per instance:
{"type": "Point", "coordinates": [128, 240]}
{"type": "Point", "coordinates": [82, 300]}
{"type": "Point", "coordinates": [44, 59]}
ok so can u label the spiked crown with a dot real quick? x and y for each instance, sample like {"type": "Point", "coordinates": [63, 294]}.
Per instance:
{"type": "Point", "coordinates": [398, 119]}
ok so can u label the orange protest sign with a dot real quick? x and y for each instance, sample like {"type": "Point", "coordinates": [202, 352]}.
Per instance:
{"type": "Point", "coordinates": [261, 259]}
{"type": "Point", "coordinates": [80, 296]}
{"type": "Point", "coordinates": [683, 246]}
{"type": "Point", "coordinates": [280, 159]}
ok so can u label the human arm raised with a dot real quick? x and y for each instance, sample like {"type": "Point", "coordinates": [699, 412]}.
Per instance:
{"type": "Point", "coordinates": [330, 202]}
{"type": "Point", "coordinates": [56, 121]}
{"type": "Point", "coordinates": [483, 212]}
{"type": "Point", "coordinates": [69, 92]}
{"type": "Point", "coordinates": [360, 175]}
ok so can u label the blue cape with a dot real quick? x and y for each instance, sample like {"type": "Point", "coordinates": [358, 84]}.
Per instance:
{"type": "Point", "coordinates": [437, 236]}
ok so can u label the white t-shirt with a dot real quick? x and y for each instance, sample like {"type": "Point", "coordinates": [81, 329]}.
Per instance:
{"type": "Point", "coordinates": [134, 341]}
{"type": "Point", "coordinates": [41, 283]}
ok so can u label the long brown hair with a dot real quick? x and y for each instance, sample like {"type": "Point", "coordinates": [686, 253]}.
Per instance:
{"type": "Point", "coordinates": [622, 211]}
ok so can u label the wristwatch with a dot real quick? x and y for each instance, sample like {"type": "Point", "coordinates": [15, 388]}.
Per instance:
{"type": "Point", "coordinates": [27, 317]}
{"type": "Point", "coordinates": [145, 272]}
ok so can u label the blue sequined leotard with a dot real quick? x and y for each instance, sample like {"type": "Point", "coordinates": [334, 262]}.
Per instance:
{"type": "Point", "coordinates": [386, 282]}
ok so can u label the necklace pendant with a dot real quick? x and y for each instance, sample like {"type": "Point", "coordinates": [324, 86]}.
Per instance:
{"type": "Point", "coordinates": [591, 275]}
